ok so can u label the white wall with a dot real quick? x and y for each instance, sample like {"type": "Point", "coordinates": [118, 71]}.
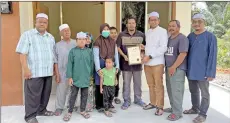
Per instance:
{"type": "Point", "coordinates": [26, 16]}
{"type": "Point", "coordinates": [183, 14]}
{"type": "Point", "coordinates": [110, 13]}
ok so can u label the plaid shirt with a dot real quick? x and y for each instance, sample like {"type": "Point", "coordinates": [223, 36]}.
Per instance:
{"type": "Point", "coordinates": [39, 50]}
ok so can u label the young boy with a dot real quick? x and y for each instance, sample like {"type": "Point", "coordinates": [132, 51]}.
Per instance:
{"type": "Point", "coordinates": [113, 35]}
{"type": "Point", "coordinates": [107, 86]}
{"type": "Point", "coordinates": [79, 72]}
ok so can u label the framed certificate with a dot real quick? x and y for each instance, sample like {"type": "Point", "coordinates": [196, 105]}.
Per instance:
{"type": "Point", "coordinates": [134, 55]}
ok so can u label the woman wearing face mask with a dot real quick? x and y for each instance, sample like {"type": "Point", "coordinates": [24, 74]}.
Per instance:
{"type": "Point", "coordinates": [103, 47]}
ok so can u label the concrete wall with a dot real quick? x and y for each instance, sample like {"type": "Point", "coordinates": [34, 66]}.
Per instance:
{"type": "Point", "coordinates": [83, 16]}
{"type": "Point", "coordinates": [11, 91]}
{"type": "Point", "coordinates": [183, 14]}
{"type": "Point", "coordinates": [110, 13]}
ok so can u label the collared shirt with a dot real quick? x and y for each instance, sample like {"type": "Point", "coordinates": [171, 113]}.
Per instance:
{"type": "Point", "coordinates": [62, 49]}
{"type": "Point", "coordinates": [80, 66]}
{"type": "Point", "coordinates": [156, 45]}
{"type": "Point", "coordinates": [40, 52]}
{"type": "Point", "coordinates": [124, 65]}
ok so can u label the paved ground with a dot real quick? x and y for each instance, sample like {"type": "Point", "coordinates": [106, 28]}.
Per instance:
{"type": "Point", "coordinates": [219, 111]}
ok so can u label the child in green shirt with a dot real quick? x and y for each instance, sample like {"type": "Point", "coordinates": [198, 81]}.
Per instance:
{"type": "Point", "coordinates": [79, 72]}
{"type": "Point", "coordinates": [107, 86]}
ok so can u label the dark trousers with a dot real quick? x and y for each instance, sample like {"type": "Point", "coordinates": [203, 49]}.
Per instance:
{"type": "Point", "coordinates": [98, 98]}
{"type": "Point", "coordinates": [37, 93]}
{"type": "Point", "coordinates": [117, 86]}
{"type": "Point", "coordinates": [108, 95]}
{"type": "Point", "coordinates": [73, 97]}
{"type": "Point", "coordinates": [195, 88]}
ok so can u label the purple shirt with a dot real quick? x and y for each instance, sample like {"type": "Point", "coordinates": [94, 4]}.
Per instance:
{"type": "Point", "coordinates": [176, 46]}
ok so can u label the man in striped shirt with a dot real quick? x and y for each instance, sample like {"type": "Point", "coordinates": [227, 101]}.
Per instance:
{"type": "Point", "coordinates": [36, 50]}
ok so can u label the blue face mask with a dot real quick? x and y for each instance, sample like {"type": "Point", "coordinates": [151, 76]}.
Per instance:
{"type": "Point", "coordinates": [105, 33]}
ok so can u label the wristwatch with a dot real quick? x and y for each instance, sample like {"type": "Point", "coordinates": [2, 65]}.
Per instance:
{"type": "Point", "coordinates": [150, 57]}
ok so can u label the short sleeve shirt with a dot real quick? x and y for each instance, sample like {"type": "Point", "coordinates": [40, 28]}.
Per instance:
{"type": "Point", "coordinates": [109, 76]}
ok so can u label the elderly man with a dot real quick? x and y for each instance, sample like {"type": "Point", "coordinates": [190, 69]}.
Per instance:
{"type": "Point", "coordinates": [62, 49]}
{"type": "Point", "coordinates": [201, 67]}
{"type": "Point", "coordinates": [156, 46]}
{"type": "Point", "coordinates": [36, 49]}
{"type": "Point", "coordinates": [176, 66]}
{"type": "Point", "coordinates": [129, 71]}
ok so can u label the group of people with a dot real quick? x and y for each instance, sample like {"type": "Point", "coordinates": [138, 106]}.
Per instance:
{"type": "Point", "coordinates": [81, 63]}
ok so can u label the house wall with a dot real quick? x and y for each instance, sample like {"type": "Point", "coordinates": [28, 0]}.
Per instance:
{"type": "Point", "coordinates": [110, 13]}
{"type": "Point", "coordinates": [11, 91]}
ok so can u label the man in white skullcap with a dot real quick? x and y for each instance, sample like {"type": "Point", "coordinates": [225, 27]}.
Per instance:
{"type": "Point", "coordinates": [202, 60]}
{"type": "Point", "coordinates": [62, 49]}
{"type": "Point", "coordinates": [156, 46]}
{"type": "Point", "coordinates": [36, 50]}
{"type": "Point", "coordinates": [79, 71]}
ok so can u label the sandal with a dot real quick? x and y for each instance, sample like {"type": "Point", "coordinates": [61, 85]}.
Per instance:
{"type": "Point", "coordinates": [108, 114]}
{"type": "Point", "coordinates": [149, 106]}
{"type": "Point", "coordinates": [58, 112]}
{"type": "Point", "coordinates": [112, 110]}
{"type": "Point", "coordinates": [159, 112]}
{"type": "Point", "coordinates": [85, 115]}
{"type": "Point", "coordinates": [117, 101]}
{"type": "Point", "coordinates": [191, 111]}
{"type": "Point", "coordinates": [46, 113]}
{"type": "Point", "coordinates": [140, 103]}
{"type": "Point", "coordinates": [125, 106]}
{"type": "Point", "coordinates": [33, 120]}
{"type": "Point", "coordinates": [168, 110]}
{"type": "Point", "coordinates": [101, 110]}
{"type": "Point", "coordinates": [67, 117]}
{"type": "Point", "coordinates": [173, 117]}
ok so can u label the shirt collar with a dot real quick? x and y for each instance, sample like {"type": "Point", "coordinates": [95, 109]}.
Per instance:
{"type": "Point", "coordinates": [36, 32]}
{"type": "Point", "coordinates": [127, 32]}
{"type": "Point", "coordinates": [154, 28]}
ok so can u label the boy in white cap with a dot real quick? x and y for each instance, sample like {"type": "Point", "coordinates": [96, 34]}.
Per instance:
{"type": "Point", "coordinates": [79, 72]}
{"type": "Point", "coordinates": [156, 46]}
{"type": "Point", "coordinates": [36, 49]}
{"type": "Point", "coordinates": [202, 59]}
{"type": "Point", "coordinates": [62, 49]}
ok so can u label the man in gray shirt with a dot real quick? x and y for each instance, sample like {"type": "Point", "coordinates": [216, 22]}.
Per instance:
{"type": "Point", "coordinates": [176, 66]}
{"type": "Point", "coordinates": [62, 49]}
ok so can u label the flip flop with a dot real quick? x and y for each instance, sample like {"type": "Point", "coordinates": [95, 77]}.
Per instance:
{"type": "Point", "coordinates": [173, 117]}
{"type": "Point", "coordinates": [108, 114]}
{"type": "Point", "coordinates": [46, 113]}
{"type": "Point", "coordinates": [58, 112]}
{"type": "Point", "coordinates": [191, 111]}
{"type": "Point", "coordinates": [149, 106]}
{"type": "Point", "coordinates": [67, 117]}
{"type": "Point", "coordinates": [85, 115]}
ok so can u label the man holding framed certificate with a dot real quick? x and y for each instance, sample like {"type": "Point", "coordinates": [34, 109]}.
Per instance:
{"type": "Point", "coordinates": [129, 43]}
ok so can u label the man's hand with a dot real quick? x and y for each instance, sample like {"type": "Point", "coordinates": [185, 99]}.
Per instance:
{"type": "Point", "coordinates": [145, 59]}
{"type": "Point", "coordinates": [126, 58]}
{"type": "Point", "coordinates": [172, 70]}
{"type": "Point", "coordinates": [209, 78]}
{"type": "Point", "coordinates": [100, 73]}
{"type": "Point", "coordinates": [27, 73]}
{"type": "Point", "coordinates": [101, 90]}
{"type": "Point", "coordinates": [70, 82]}
{"type": "Point", "coordinates": [142, 47]}
{"type": "Point", "coordinates": [57, 78]}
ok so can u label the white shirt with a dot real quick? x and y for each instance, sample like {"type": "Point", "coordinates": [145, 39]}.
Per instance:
{"type": "Point", "coordinates": [156, 45]}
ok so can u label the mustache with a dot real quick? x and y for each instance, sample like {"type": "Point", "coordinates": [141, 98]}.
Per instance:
{"type": "Point", "coordinates": [171, 30]}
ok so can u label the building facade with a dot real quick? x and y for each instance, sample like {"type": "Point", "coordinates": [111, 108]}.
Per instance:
{"type": "Point", "coordinates": [81, 16]}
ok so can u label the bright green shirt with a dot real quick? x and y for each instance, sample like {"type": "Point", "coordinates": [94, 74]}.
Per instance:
{"type": "Point", "coordinates": [109, 76]}
{"type": "Point", "coordinates": [80, 66]}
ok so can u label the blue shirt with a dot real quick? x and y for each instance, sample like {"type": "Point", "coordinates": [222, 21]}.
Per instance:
{"type": "Point", "coordinates": [39, 50]}
{"type": "Point", "coordinates": [202, 56]}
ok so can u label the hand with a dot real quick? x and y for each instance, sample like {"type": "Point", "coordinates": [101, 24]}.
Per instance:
{"type": "Point", "coordinates": [27, 74]}
{"type": "Point", "coordinates": [117, 70]}
{"type": "Point", "coordinates": [142, 47]}
{"type": "Point", "coordinates": [126, 58]}
{"type": "Point", "coordinates": [209, 78]}
{"type": "Point", "coordinates": [100, 73]}
{"type": "Point", "coordinates": [70, 82]}
{"type": "Point", "coordinates": [145, 59]}
{"type": "Point", "coordinates": [57, 78]}
{"type": "Point", "coordinates": [171, 70]}
{"type": "Point", "coordinates": [101, 90]}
